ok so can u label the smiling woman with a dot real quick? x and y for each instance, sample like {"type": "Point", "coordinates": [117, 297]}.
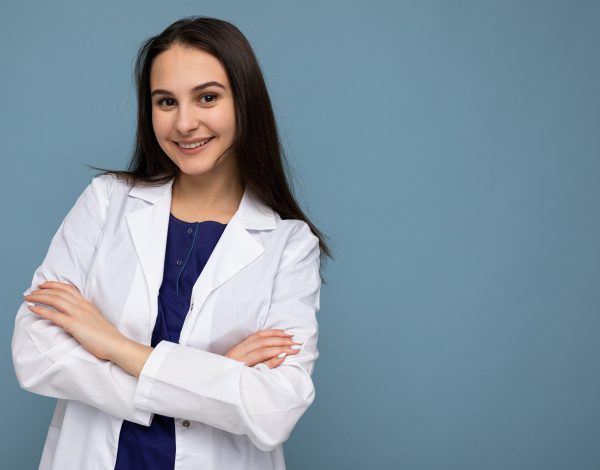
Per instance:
{"type": "Point", "coordinates": [191, 119]}
{"type": "Point", "coordinates": [174, 315]}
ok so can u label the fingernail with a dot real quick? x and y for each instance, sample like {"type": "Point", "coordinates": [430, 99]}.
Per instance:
{"type": "Point", "coordinates": [296, 346]}
{"type": "Point", "coordinates": [289, 332]}
{"type": "Point", "coordinates": [30, 304]}
{"type": "Point", "coordinates": [281, 355]}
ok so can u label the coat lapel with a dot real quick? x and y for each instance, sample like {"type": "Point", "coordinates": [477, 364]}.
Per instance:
{"type": "Point", "coordinates": [236, 248]}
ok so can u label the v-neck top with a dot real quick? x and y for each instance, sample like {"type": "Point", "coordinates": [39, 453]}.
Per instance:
{"type": "Point", "coordinates": [189, 246]}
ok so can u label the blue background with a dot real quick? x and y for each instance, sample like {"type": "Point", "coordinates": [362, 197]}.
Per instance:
{"type": "Point", "coordinates": [451, 152]}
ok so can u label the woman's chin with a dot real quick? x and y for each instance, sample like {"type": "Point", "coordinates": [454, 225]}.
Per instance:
{"type": "Point", "coordinates": [195, 171]}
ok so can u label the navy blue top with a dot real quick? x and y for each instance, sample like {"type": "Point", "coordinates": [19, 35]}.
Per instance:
{"type": "Point", "coordinates": [189, 245]}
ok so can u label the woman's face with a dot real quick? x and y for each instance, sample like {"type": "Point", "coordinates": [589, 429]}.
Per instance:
{"type": "Point", "coordinates": [192, 102]}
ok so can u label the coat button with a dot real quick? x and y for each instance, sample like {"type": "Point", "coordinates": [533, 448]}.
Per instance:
{"type": "Point", "coordinates": [179, 262]}
{"type": "Point", "coordinates": [185, 423]}
{"type": "Point", "coordinates": [190, 230]}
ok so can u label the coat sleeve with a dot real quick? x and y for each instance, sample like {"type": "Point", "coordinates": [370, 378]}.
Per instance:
{"type": "Point", "coordinates": [262, 403]}
{"type": "Point", "coordinates": [49, 361]}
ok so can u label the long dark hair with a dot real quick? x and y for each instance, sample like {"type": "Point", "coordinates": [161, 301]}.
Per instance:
{"type": "Point", "coordinates": [264, 167]}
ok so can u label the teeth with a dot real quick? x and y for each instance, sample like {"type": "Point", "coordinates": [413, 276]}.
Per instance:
{"type": "Point", "coordinates": [193, 146]}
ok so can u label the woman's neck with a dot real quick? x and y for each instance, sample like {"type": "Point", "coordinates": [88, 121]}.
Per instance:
{"type": "Point", "coordinates": [197, 199]}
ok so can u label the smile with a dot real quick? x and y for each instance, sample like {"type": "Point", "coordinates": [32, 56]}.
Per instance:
{"type": "Point", "coordinates": [195, 144]}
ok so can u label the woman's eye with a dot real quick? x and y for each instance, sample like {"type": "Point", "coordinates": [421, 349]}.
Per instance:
{"type": "Point", "coordinates": [168, 102]}
{"type": "Point", "coordinates": [164, 100]}
{"type": "Point", "coordinates": [209, 97]}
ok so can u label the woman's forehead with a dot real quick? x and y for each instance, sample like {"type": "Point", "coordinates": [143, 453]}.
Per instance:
{"type": "Point", "coordinates": [181, 68]}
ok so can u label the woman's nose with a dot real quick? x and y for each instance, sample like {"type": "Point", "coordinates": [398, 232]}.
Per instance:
{"type": "Point", "coordinates": [187, 120]}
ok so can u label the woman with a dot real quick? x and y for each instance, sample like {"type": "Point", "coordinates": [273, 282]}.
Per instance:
{"type": "Point", "coordinates": [174, 315]}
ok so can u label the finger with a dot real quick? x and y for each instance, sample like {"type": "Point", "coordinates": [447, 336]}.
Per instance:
{"type": "Point", "coordinates": [280, 358]}
{"type": "Point", "coordinates": [261, 355]}
{"type": "Point", "coordinates": [56, 299]}
{"type": "Point", "coordinates": [249, 343]}
{"type": "Point", "coordinates": [273, 341]}
{"type": "Point", "coordinates": [70, 288]}
{"type": "Point", "coordinates": [275, 362]}
{"type": "Point", "coordinates": [274, 332]}
{"type": "Point", "coordinates": [55, 317]}
{"type": "Point", "coordinates": [266, 342]}
{"type": "Point", "coordinates": [266, 334]}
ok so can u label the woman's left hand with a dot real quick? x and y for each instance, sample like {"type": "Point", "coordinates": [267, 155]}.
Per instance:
{"type": "Point", "coordinates": [77, 316]}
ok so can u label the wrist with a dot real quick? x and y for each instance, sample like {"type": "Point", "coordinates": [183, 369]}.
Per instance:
{"type": "Point", "coordinates": [131, 355]}
{"type": "Point", "coordinates": [117, 345]}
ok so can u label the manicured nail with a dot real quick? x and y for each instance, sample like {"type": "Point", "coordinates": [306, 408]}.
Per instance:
{"type": "Point", "coordinates": [296, 346]}
{"type": "Point", "coordinates": [289, 332]}
{"type": "Point", "coordinates": [281, 355]}
{"type": "Point", "coordinates": [30, 304]}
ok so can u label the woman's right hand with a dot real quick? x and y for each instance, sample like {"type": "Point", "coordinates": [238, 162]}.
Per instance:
{"type": "Point", "coordinates": [264, 346]}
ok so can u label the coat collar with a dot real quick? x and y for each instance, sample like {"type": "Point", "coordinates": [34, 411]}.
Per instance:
{"type": "Point", "coordinates": [236, 249]}
{"type": "Point", "coordinates": [252, 212]}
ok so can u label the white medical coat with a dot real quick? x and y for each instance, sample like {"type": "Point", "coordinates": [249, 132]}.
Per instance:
{"type": "Point", "coordinates": [263, 273]}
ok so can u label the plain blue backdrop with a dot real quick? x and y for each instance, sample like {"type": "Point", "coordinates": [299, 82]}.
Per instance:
{"type": "Point", "coordinates": [450, 149]}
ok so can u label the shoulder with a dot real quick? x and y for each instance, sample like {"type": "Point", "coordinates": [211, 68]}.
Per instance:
{"type": "Point", "coordinates": [108, 183]}
{"type": "Point", "coordinates": [296, 230]}
{"type": "Point", "coordinates": [86, 217]}
{"type": "Point", "coordinates": [298, 239]}
{"type": "Point", "coordinates": [108, 187]}
{"type": "Point", "coordinates": [96, 198]}
{"type": "Point", "coordinates": [102, 186]}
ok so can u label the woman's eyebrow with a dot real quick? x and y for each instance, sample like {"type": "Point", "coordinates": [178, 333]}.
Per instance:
{"type": "Point", "coordinates": [202, 86]}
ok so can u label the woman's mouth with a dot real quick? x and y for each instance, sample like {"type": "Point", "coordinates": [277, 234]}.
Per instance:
{"type": "Point", "coordinates": [193, 147]}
